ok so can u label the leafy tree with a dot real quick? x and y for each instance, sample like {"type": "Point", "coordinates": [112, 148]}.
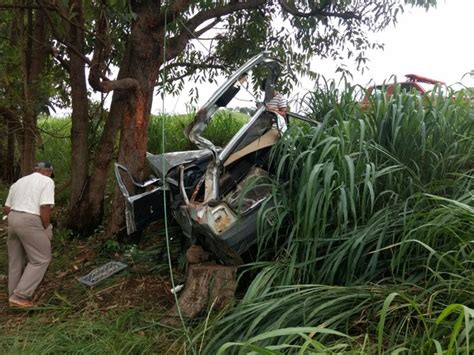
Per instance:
{"type": "Point", "coordinates": [24, 85]}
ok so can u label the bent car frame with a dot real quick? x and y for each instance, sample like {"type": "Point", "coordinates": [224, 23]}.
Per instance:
{"type": "Point", "coordinates": [212, 192]}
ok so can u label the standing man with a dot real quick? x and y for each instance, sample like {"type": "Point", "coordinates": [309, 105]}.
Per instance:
{"type": "Point", "coordinates": [28, 207]}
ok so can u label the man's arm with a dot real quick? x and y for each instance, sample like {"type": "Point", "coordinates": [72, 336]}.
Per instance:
{"type": "Point", "coordinates": [6, 210]}
{"type": "Point", "coordinates": [45, 214]}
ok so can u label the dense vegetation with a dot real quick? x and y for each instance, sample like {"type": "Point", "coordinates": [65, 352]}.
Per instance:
{"type": "Point", "coordinates": [367, 248]}
{"type": "Point", "coordinates": [370, 248]}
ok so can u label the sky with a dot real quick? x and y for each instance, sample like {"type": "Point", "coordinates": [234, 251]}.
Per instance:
{"type": "Point", "coordinates": [436, 43]}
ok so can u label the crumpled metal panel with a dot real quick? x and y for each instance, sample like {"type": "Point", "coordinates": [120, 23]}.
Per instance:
{"type": "Point", "coordinates": [163, 163]}
{"type": "Point", "coordinates": [195, 130]}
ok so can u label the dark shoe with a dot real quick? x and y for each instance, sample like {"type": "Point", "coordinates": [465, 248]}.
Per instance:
{"type": "Point", "coordinates": [18, 302]}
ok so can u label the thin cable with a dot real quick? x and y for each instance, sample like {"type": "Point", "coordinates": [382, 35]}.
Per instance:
{"type": "Point", "coordinates": [168, 249]}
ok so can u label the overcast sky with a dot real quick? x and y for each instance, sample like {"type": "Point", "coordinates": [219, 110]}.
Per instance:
{"type": "Point", "coordinates": [436, 43]}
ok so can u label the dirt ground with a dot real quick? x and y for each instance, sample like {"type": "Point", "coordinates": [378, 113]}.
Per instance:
{"type": "Point", "coordinates": [138, 286]}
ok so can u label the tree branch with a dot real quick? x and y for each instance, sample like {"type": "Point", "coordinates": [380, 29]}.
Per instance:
{"type": "Point", "coordinates": [176, 8]}
{"type": "Point", "coordinates": [62, 40]}
{"type": "Point", "coordinates": [191, 69]}
{"type": "Point", "coordinates": [173, 79]}
{"type": "Point", "coordinates": [64, 15]}
{"type": "Point", "coordinates": [178, 43]}
{"type": "Point", "coordinates": [8, 113]}
{"type": "Point", "coordinates": [220, 11]}
{"type": "Point", "coordinates": [23, 7]}
{"type": "Point", "coordinates": [55, 53]}
{"type": "Point", "coordinates": [106, 86]}
{"type": "Point", "coordinates": [97, 80]}
{"type": "Point", "coordinates": [194, 65]}
{"type": "Point", "coordinates": [316, 11]}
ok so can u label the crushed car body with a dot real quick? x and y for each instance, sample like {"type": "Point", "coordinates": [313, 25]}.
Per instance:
{"type": "Point", "coordinates": [213, 193]}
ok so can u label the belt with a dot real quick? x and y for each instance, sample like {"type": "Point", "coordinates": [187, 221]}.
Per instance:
{"type": "Point", "coordinates": [34, 214]}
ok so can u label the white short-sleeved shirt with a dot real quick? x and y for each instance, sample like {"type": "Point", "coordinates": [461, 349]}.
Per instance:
{"type": "Point", "coordinates": [30, 192]}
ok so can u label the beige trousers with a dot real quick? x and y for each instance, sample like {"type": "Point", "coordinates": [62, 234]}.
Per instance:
{"type": "Point", "coordinates": [29, 253]}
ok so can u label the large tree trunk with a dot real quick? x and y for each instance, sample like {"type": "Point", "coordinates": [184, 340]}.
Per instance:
{"type": "Point", "coordinates": [130, 109]}
{"type": "Point", "coordinates": [86, 212]}
{"type": "Point", "coordinates": [28, 142]}
{"type": "Point", "coordinates": [132, 150]}
{"type": "Point", "coordinates": [80, 116]}
{"type": "Point", "coordinates": [10, 113]}
{"type": "Point", "coordinates": [11, 127]}
{"type": "Point", "coordinates": [89, 210]}
{"type": "Point", "coordinates": [208, 285]}
{"type": "Point", "coordinates": [35, 57]}
{"type": "Point", "coordinates": [143, 65]}
{"type": "Point", "coordinates": [3, 142]}
{"type": "Point", "coordinates": [11, 171]}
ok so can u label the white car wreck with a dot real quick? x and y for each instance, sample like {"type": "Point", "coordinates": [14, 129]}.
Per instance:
{"type": "Point", "coordinates": [212, 192]}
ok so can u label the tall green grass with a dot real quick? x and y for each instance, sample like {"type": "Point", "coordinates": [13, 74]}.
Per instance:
{"type": "Point", "coordinates": [369, 234]}
{"type": "Point", "coordinates": [222, 127]}
{"type": "Point", "coordinates": [361, 319]}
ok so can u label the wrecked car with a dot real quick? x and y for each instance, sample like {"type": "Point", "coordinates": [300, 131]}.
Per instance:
{"type": "Point", "coordinates": [211, 192]}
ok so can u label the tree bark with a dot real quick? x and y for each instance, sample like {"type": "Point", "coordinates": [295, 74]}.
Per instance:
{"type": "Point", "coordinates": [87, 213]}
{"type": "Point", "coordinates": [87, 203]}
{"type": "Point", "coordinates": [10, 114]}
{"type": "Point", "coordinates": [80, 116]}
{"type": "Point", "coordinates": [11, 126]}
{"type": "Point", "coordinates": [35, 57]}
{"type": "Point", "coordinates": [133, 145]}
{"type": "Point", "coordinates": [130, 109]}
{"type": "Point", "coordinates": [11, 172]}
{"type": "Point", "coordinates": [207, 286]}
{"type": "Point", "coordinates": [28, 142]}
{"type": "Point", "coordinates": [3, 142]}
{"type": "Point", "coordinates": [143, 65]}
{"type": "Point", "coordinates": [89, 210]}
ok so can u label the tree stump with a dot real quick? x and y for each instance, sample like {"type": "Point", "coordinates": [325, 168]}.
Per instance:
{"type": "Point", "coordinates": [208, 285]}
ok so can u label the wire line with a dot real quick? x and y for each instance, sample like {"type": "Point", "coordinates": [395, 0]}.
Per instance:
{"type": "Point", "coordinates": [168, 249]}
